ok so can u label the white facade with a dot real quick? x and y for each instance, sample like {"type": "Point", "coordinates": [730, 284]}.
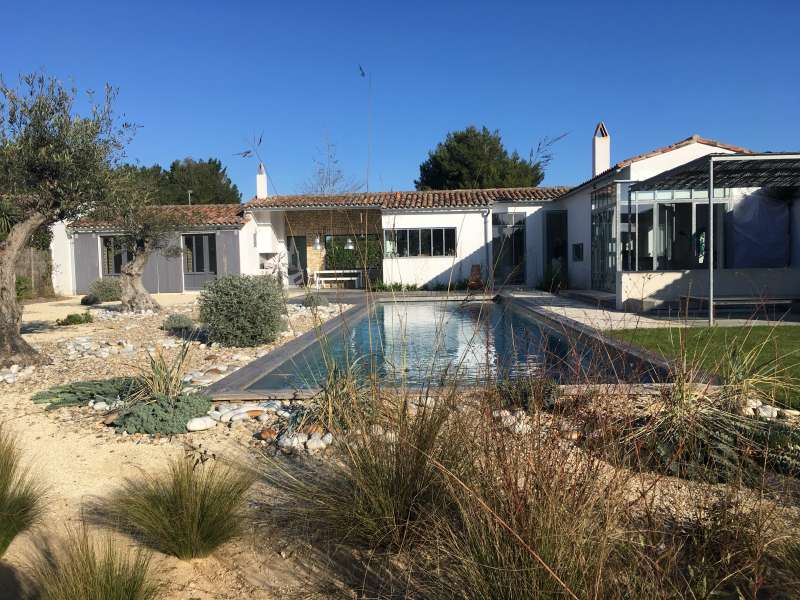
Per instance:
{"type": "Point", "coordinates": [473, 247]}
{"type": "Point", "coordinates": [63, 263]}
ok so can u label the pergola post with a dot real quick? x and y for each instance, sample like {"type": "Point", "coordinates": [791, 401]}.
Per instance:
{"type": "Point", "coordinates": [710, 243]}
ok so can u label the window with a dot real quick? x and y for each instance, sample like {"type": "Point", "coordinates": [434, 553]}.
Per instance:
{"type": "Point", "coordinates": [577, 252]}
{"type": "Point", "coordinates": [200, 253]}
{"type": "Point", "coordinates": [419, 242]}
{"type": "Point", "coordinates": [115, 254]}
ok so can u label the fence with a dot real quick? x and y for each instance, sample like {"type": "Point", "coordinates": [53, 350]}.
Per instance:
{"type": "Point", "coordinates": [35, 265]}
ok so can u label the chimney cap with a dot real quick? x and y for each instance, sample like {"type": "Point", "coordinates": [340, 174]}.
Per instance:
{"type": "Point", "coordinates": [600, 130]}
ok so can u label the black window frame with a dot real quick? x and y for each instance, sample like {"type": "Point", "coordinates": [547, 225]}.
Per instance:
{"type": "Point", "coordinates": [207, 243]}
{"type": "Point", "coordinates": [429, 242]}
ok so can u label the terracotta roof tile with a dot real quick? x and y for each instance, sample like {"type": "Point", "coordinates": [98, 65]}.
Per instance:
{"type": "Point", "coordinates": [685, 142]}
{"type": "Point", "coordinates": [192, 216]}
{"type": "Point", "coordinates": [427, 199]}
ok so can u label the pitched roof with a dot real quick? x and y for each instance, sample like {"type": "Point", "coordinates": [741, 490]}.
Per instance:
{"type": "Point", "coordinates": [692, 139]}
{"type": "Point", "coordinates": [196, 215]}
{"type": "Point", "coordinates": [424, 199]}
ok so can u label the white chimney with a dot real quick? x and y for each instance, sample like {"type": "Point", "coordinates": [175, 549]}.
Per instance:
{"type": "Point", "coordinates": [601, 150]}
{"type": "Point", "coordinates": [261, 182]}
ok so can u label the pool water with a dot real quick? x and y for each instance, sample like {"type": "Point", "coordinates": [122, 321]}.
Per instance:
{"type": "Point", "coordinates": [417, 344]}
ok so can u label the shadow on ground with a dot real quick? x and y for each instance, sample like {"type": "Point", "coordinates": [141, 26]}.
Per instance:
{"type": "Point", "coordinates": [37, 326]}
{"type": "Point", "coordinates": [11, 583]}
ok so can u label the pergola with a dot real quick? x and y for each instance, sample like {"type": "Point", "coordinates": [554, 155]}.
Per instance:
{"type": "Point", "coordinates": [773, 169]}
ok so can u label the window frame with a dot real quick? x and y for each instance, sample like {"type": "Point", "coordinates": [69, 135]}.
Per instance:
{"type": "Point", "coordinates": [209, 258]}
{"type": "Point", "coordinates": [405, 236]}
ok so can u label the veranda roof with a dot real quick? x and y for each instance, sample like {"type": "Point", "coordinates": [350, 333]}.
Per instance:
{"type": "Point", "coordinates": [780, 169]}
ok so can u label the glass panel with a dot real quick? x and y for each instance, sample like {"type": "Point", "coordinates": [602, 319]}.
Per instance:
{"type": "Point", "coordinates": [425, 242]}
{"type": "Point", "coordinates": [450, 242]}
{"type": "Point", "coordinates": [389, 243]}
{"type": "Point", "coordinates": [627, 236]}
{"type": "Point", "coordinates": [212, 253]}
{"type": "Point", "coordinates": [438, 242]}
{"type": "Point", "coordinates": [199, 254]}
{"type": "Point", "coordinates": [683, 194]}
{"type": "Point", "coordinates": [413, 242]}
{"type": "Point", "coordinates": [663, 194]}
{"type": "Point", "coordinates": [645, 243]}
{"type": "Point", "coordinates": [402, 242]}
{"type": "Point", "coordinates": [701, 235]}
{"type": "Point", "coordinates": [675, 236]}
{"type": "Point", "coordinates": [188, 242]}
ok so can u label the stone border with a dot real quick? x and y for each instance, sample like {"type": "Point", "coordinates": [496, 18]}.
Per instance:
{"type": "Point", "coordinates": [662, 366]}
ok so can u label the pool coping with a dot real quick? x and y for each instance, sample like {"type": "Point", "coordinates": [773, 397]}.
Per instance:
{"type": "Point", "coordinates": [234, 386]}
{"type": "Point", "coordinates": [628, 348]}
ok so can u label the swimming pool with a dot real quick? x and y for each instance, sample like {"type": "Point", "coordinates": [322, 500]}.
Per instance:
{"type": "Point", "coordinates": [425, 343]}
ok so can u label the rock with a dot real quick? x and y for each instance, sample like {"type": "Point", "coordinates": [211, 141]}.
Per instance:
{"type": "Point", "coordinates": [788, 413]}
{"type": "Point", "coordinates": [767, 411]}
{"type": "Point", "coordinates": [215, 414]}
{"type": "Point", "coordinates": [521, 427]}
{"type": "Point", "coordinates": [110, 418]}
{"type": "Point", "coordinates": [267, 435]}
{"type": "Point", "coordinates": [100, 406]}
{"type": "Point", "coordinates": [200, 423]}
{"type": "Point", "coordinates": [509, 420]}
{"type": "Point", "coordinates": [255, 412]}
{"type": "Point", "coordinates": [327, 439]}
{"type": "Point", "coordinates": [214, 371]}
{"type": "Point", "coordinates": [285, 414]}
{"type": "Point", "coordinates": [14, 369]}
{"type": "Point", "coordinates": [315, 445]}
{"type": "Point", "coordinates": [753, 403]}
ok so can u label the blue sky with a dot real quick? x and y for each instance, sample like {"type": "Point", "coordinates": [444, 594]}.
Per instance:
{"type": "Point", "coordinates": [203, 78]}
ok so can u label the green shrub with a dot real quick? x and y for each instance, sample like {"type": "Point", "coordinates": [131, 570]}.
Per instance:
{"type": "Point", "coordinates": [162, 414]}
{"type": "Point", "coordinates": [315, 300]}
{"type": "Point", "coordinates": [106, 289]}
{"type": "Point", "coordinates": [79, 568]}
{"type": "Point", "coordinates": [178, 324]}
{"type": "Point", "coordinates": [24, 287]}
{"type": "Point", "coordinates": [21, 497]}
{"type": "Point", "coordinates": [82, 392]}
{"type": "Point", "coordinates": [188, 511]}
{"type": "Point", "coordinates": [90, 300]}
{"type": "Point", "coordinates": [394, 287]}
{"type": "Point", "coordinates": [242, 310]}
{"type": "Point", "coordinates": [75, 319]}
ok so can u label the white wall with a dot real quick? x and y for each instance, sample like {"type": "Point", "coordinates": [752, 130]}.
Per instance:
{"type": "Point", "coordinates": [248, 249]}
{"type": "Point", "coordinates": [269, 227]}
{"type": "Point", "coordinates": [473, 231]}
{"type": "Point", "coordinates": [534, 238]}
{"type": "Point", "coordinates": [652, 288]}
{"type": "Point", "coordinates": [647, 167]}
{"type": "Point", "coordinates": [62, 255]}
{"type": "Point", "coordinates": [579, 230]}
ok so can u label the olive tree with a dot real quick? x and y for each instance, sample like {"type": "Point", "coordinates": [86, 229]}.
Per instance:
{"type": "Point", "coordinates": [55, 163]}
{"type": "Point", "coordinates": [141, 226]}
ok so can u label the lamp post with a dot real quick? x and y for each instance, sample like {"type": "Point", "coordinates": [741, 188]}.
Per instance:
{"type": "Point", "coordinates": [710, 244]}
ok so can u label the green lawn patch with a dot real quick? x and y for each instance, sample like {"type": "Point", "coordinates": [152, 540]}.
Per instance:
{"type": "Point", "coordinates": [775, 349]}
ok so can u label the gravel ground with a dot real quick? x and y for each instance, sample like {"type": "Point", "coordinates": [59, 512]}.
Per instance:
{"type": "Point", "coordinates": [79, 458]}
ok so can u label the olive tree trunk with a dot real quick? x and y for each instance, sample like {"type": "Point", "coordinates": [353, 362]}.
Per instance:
{"type": "Point", "coordinates": [14, 350]}
{"type": "Point", "coordinates": [135, 298]}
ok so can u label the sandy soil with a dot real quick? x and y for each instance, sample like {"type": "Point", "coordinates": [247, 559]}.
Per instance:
{"type": "Point", "coordinates": [81, 459]}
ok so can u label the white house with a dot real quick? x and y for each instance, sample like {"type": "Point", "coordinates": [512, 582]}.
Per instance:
{"type": "Point", "coordinates": [621, 232]}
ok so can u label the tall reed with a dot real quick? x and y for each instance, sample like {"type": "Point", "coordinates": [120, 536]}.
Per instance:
{"type": "Point", "coordinates": [21, 494]}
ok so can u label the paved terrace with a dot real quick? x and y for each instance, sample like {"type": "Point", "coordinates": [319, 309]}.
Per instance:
{"type": "Point", "coordinates": [549, 305]}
